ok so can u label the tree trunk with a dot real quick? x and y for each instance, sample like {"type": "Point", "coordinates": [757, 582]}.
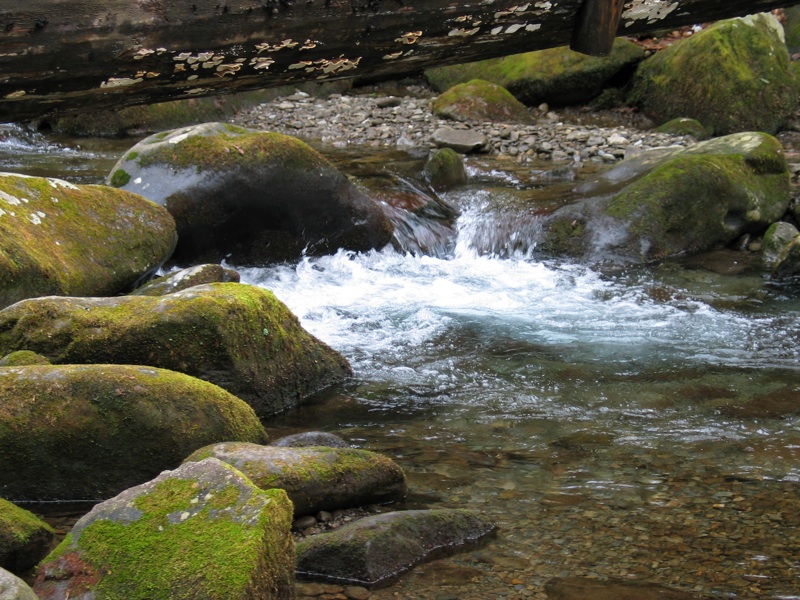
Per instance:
{"type": "Point", "coordinates": [66, 56]}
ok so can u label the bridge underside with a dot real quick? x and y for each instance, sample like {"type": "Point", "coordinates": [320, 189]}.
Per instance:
{"type": "Point", "coordinates": [65, 56]}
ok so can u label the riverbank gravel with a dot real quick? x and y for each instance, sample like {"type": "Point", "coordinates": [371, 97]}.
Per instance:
{"type": "Point", "coordinates": [407, 122]}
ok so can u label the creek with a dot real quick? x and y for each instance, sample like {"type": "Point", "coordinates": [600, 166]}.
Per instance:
{"type": "Point", "coordinates": [637, 423]}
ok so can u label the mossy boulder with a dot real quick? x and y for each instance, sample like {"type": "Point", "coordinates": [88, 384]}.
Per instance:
{"type": "Point", "coordinates": [250, 197]}
{"type": "Point", "coordinates": [777, 237]}
{"type": "Point", "coordinates": [374, 551]}
{"type": "Point", "coordinates": [787, 265]}
{"type": "Point", "coordinates": [20, 358]}
{"type": "Point", "coordinates": [733, 76]}
{"type": "Point", "coordinates": [444, 169]}
{"type": "Point", "coordinates": [557, 76]}
{"type": "Point", "coordinates": [240, 337]}
{"type": "Point", "coordinates": [65, 239]}
{"type": "Point", "coordinates": [86, 432]}
{"type": "Point", "coordinates": [316, 478]}
{"type": "Point", "coordinates": [200, 531]}
{"type": "Point", "coordinates": [13, 588]}
{"type": "Point", "coordinates": [24, 538]}
{"type": "Point", "coordinates": [673, 202]}
{"type": "Point", "coordinates": [186, 278]}
{"type": "Point", "coordinates": [479, 100]}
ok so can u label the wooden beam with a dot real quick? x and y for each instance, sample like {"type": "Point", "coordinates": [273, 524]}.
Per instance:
{"type": "Point", "coordinates": [67, 56]}
{"type": "Point", "coordinates": [596, 27]}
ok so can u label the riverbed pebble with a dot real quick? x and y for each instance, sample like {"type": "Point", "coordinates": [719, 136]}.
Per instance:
{"type": "Point", "coordinates": [407, 122]}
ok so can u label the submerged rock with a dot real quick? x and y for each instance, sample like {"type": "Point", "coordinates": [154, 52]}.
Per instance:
{"type": "Point", "coordinates": [86, 432]}
{"type": "Point", "coordinates": [674, 201]}
{"type": "Point", "coordinates": [24, 538]}
{"type": "Point", "coordinates": [317, 478]}
{"type": "Point", "coordinates": [65, 239]}
{"type": "Point", "coordinates": [479, 100]}
{"type": "Point", "coordinates": [13, 588]}
{"type": "Point", "coordinates": [579, 588]}
{"type": "Point", "coordinates": [200, 531]}
{"type": "Point", "coordinates": [250, 197]}
{"type": "Point", "coordinates": [376, 550]}
{"type": "Point", "coordinates": [237, 336]}
{"type": "Point", "coordinates": [186, 278]}
{"type": "Point", "coordinates": [734, 76]}
{"type": "Point", "coordinates": [557, 76]}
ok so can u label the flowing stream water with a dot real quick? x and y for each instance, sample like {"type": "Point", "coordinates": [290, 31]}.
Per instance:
{"type": "Point", "coordinates": [633, 424]}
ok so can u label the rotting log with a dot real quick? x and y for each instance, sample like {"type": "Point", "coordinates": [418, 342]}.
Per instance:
{"type": "Point", "coordinates": [67, 56]}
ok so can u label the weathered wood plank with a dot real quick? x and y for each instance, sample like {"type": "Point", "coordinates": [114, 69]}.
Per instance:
{"type": "Point", "coordinates": [62, 56]}
{"type": "Point", "coordinates": [596, 26]}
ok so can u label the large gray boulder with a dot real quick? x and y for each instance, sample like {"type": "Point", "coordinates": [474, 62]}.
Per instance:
{"type": "Point", "coordinates": [374, 551]}
{"type": "Point", "coordinates": [734, 76]}
{"type": "Point", "coordinates": [316, 478]}
{"type": "Point", "coordinates": [673, 202]}
{"type": "Point", "coordinates": [65, 239]}
{"type": "Point", "coordinates": [240, 337]}
{"type": "Point", "coordinates": [248, 196]}
{"type": "Point", "coordinates": [86, 432]}
{"type": "Point", "coordinates": [200, 531]}
{"type": "Point", "coordinates": [13, 588]}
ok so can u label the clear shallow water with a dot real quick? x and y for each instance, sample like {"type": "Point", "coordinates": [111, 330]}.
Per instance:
{"type": "Point", "coordinates": [639, 424]}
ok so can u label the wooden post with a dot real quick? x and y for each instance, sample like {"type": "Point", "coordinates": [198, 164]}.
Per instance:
{"type": "Point", "coordinates": [596, 27]}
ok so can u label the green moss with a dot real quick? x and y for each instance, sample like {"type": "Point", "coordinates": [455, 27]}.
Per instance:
{"type": "Point", "coordinates": [17, 527]}
{"type": "Point", "coordinates": [23, 357]}
{"type": "Point", "coordinates": [174, 550]}
{"type": "Point", "coordinates": [120, 177]}
{"type": "Point", "coordinates": [733, 76]}
{"type": "Point", "coordinates": [131, 156]}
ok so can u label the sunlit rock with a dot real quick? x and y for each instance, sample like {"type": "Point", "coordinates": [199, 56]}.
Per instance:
{"type": "Point", "coordinates": [200, 531]}
{"type": "Point", "coordinates": [86, 432]}
{"type": "Point", "coordinates": [240, 337]}
{"type": "Point", "coordinates": [316, 478]}
{"type": "Point", "coordinates": [65, 239]}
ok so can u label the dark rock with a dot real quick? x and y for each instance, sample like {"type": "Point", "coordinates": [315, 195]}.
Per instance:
{"type": "Point", "coordinates": [315, 478]}
{"type": "Point", "coordinates": [200, 531]}
{"type": "Point", "coordinates": [374, 551]}
{"type": "Point", "coordinates": [24, 538]}
{"type": "Point", "coordinates": [776, 239]}
{"type": "Point", "coordinates": [250, 197]}
{"type": "Point", "coordinates": [240, 337]}
{"type": "Point", "coordinates": [86, 432]}
{"type": "Point", "coordinates": [60, 238]}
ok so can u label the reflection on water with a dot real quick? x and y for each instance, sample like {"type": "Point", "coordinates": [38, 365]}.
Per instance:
{"type": "Point", "coordinates": [638, 425]}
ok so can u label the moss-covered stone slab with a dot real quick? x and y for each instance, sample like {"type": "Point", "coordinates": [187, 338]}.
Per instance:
{"type": "Point", "coordinates": [65, 239]}
{"type": "Point", "coordinates": [240, 337]}
{"type": "Point", "coordinates": [557, 76]}
{"type": "Point", "coordinates": [86, 432]}
{"type": "Point", "coordinates": [186, 278]}
{"type": "Point", "coordinates": [479, 100]}
{"type": "Point", "coordinates": [317, 478]}
{"type": "Point", "coordinates": [200, 531]}
{"type": "Point", "coordinates": [374, 551]}
{"type": "Point", "coordinates": [250, 197]}
{"type": "Point", "coordinates": [24, 538]}
{"type": "Point", "coordinates": [673, 202]}
{"type": "Point", "coordinates": [13, 588]}
{"type": "Point", "coordinates": [734, 76]}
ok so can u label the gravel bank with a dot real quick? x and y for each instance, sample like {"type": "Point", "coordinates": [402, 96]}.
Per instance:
{"type": "Point", "coordinates": [407, 122]}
